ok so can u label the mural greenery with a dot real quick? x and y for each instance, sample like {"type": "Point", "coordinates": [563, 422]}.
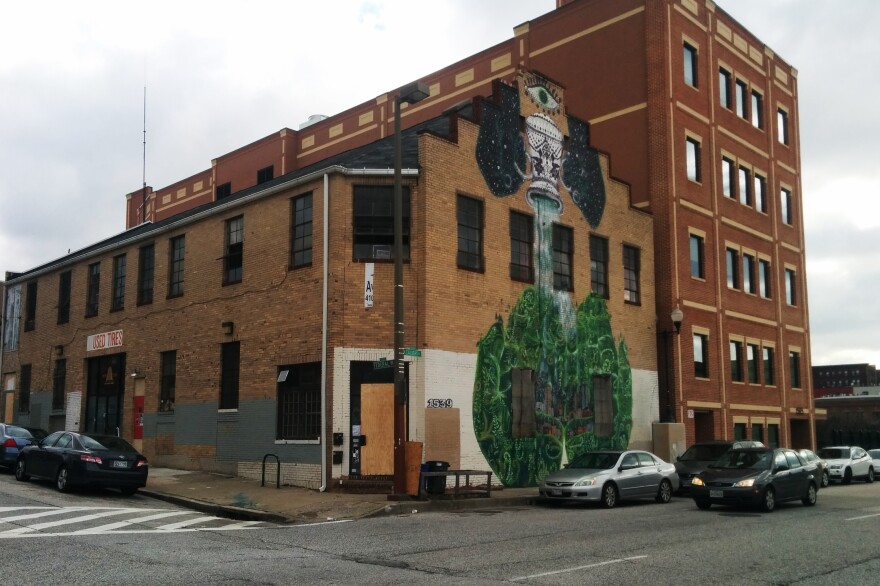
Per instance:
{"type": "Point", "coordinates": [541, 378]}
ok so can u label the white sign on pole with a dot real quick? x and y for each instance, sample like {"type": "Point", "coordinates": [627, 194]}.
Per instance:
{"type": "Point", "coordinates": [368, 284]}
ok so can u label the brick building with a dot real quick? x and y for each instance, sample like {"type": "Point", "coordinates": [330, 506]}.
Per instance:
{"type": "Point", "coordinates": [696, 121]}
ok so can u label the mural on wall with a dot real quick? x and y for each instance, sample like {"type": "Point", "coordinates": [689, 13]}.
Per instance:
{"type": "Point", "coordinates": [553, 382]}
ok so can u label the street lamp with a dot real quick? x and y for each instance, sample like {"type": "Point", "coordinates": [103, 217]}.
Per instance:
{"type": "Point", "coordinates": [677, 316]}
{"type": "Point", "coordinates": [411, 93]}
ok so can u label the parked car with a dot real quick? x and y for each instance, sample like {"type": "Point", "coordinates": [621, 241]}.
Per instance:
{"type": "Point", "coordinates": [757, 476]}
{"type": "Point", "coordinates": [698, 457]}
{"type": "Point", "coordinates": [71, 459]}
{"type": "Point", "coordinates": [12, 439]}
{"type": "Point", "coordinates": [846, 463]}
{"type": "Point", "coordinates": [610, 476]}
{"type": "Point", "coordinates": [813, 458]}
{"type": "Point", "coordinates": [875, 456]}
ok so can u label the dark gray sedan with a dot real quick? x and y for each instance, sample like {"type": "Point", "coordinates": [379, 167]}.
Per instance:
{"type": "Point", "coordinates": [611, 476]}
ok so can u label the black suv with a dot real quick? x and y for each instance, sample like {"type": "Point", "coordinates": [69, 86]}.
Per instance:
{"type": "Point", "coordinates": [698, 457]}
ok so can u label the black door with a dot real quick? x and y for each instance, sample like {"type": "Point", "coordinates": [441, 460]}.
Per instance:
{"type": "Point", "coordinates": [106, 390]}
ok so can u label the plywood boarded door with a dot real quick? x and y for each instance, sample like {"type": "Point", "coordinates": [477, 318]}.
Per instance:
{"type": "Point", "coordinates": [377, 424]}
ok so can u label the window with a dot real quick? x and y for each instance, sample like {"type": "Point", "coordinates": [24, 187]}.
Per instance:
{"type": "Point", "coordinates": [760, 190]}
{"type": "Point", "coordinates": [521, 236]}
{"type": "Point", "coordinates": [631, 270]}
{"type": "Point", "coordinates": [168, 380]}
{"type": "Point", "coordinates": [224, 190]}
{"type": "Point", "coordinates": [24, 389]}
{"type": "Point", "coordinates": [782, 126]}
{"type": "Point", "coordinates": [690, 65]}
{"type": "Point", "coordinates": [739, 431]}
{"type": "Point", "coordinates": [599, 266]}
{"type": "Point", "coordinates": [146, 263]}
{"type": "Point", "coordinates": [12, 315]}
{"type": "Point", "coordinates": [374, 222]}
{"type": "Point", "coordinates": [727, 177]}
{"type": "Point", "coordinates": [469, 212]}
{"type": "Point", "coordinates": [773, 435]}
{"type": "Point", "coordinates": [30, 306]}
{"type": "Point", "coordinates": [785, 205]}
{"type": "Point", "coordinates": [233, 260]}
{"type": "Point", "coordinates": [768, 365]}
{"type": "Point", "coordinates": [732, 268]}
{"type": "Point", "coordinates": [301, 231]}
{"type": "Point", "coordinates": [59, 374]}
{"type": "Point", "coordinates": [736, 361]}
{"type": "Point", "coordinates": [299, 402]}
{"type": "Point", "coordinates": [752, 357]}
{"type": "Point", "coordinates": [229, 370]}
{"type": "Point", "coordinates": [94, 286]}
{"type": "Point", "coordinates": [266, 174]}
{"type": "Point", "coordinates": [745, 186]}
{"type": "Point", "coordinates": [176, 254]}
{"type": "Point", "coordinates": [764, 278]}
{"type": "Point", "coordinates": [693, 158]}
{"type": "Point", "coordinates": [64, 280]}
{"type": "Point", "coordinates": [522, 402]}
{"type": "Point", "coordinates": [701, 356]}
{"type": "Point", "coordinates": [758, 432]}
{"type": "Point", "coordinates": [790, 287]}
{"type": "Point", "coordinates": [794, 361]}
{"type": "Point", "coordinates": [757, 110]}
{"type": "Point", "coordinates": [724, 79]}
{"type": "Point", "coordinates": [117, 302]}
{"type": "Point", "coordinates": [698, 269]}
{"type": "Point", "coordinates": [604, 412]}
{"type": "Point", "coordinates": [748, 275]}
{"type": "Point", "coordinates": [741, 97]}
{"type": "Point", "coordinates": [563, 248]}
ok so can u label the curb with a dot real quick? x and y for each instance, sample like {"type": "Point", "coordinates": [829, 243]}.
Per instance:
{"type": "Point", "coordinates": [229, 512]}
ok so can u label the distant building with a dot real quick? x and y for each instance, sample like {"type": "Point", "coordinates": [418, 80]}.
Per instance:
{"type": "Point", "coordinates": [837, 379]}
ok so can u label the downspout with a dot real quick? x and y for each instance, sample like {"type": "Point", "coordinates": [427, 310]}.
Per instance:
{"type": "Point", "coordinates": [323, 486]}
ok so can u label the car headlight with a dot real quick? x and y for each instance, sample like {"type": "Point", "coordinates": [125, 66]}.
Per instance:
{"type": "Point", "coordinates": [697, 481]}
{"type": "Point", "coordinates": [746, 482]}
{"type": "Point", "coordinates": [586, 482]}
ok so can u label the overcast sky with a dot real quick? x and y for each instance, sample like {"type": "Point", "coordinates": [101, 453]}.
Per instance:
{"type": "Point", "coordinates": [222, 74]}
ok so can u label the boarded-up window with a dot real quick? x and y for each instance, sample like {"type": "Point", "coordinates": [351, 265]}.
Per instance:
{"type": "Point", "coordinates": [604, 413]}
{"type": "Point", "coordinates": [523, 402]}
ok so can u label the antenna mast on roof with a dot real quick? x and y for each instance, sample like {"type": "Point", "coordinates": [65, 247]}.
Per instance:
{"type": "Point", "coordinates": [141, 218]}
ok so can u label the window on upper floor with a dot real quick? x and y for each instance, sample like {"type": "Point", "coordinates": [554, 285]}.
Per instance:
{"type": "Point", "coordinates": [690, 65]}
{"type": "Point", "coordinates": [782, 126]}
{"type": "Point", "coordinates": [749, 284]}
{"type": "Point", "coordinates": [563, 250]}
{"type": "Point", "coordinates": [785, 206]}
{"type": "Point", "coordinates": [692, 146]}
{"type": "Point", "coordinates": [521, 240]}
{"type": "Point", "coordinates": [631, 274]}
{"type": "Point", "coordinates": [230, 364]}
{"type": "Point", "coordinates": [92, 292]}
{"type": "Point", "coordinates": [764, 277]}
{"type": "Point", "coordinates": [301, 231]}
{"type": "Point", "coordinates": [768, 365]}
{"type": "Point", "coordinates": [701, 355]}
{"type": "Point", "coordinates": [233, 257]}
{"type": "Point", "coordinates": [794, 361]}
{"type": "Point", "coordinates": [30, 306]}
{"type": "Point", "coordinates": [176, 257]}
{"type": "Point", "coordinates": [59, 375]}
{"type": "Point", "coordinates": [745, 186]}
{"type": "Point", "coordinates": [299, 402]}
{"type": "Point", "coordinates": [168, 380]}
{"type": "Point", "coordinates": [732, 268]}
{"type": "Point", "coordinates": [64, 284]}
{"type": "Point", "coordinates": [752, 359]}
{"type": "Point", "coordinates": [224, 190]}
{"type": "Point", "coordinates": [790, 287]}
{"type": "Point", "coordinates": [724, 88]}
{"type": "Point", "coordinates": [757, 109]}
{"type": "Point", "coordinates": [599, 266]}
{"type": "Point", "coordinates": [24, 389]}
{"type": "Point", "coordinates": [117, 300]}
{"type": "Point", "coordinates": [469, 214]}
{"type": "Point", "coordinates": [374, 222]}
{"type": "Point", "coordinates": [146, 266]}
{"type": "Point", "coordinates": [697, 244]}
{"type": "Point", "coordinates": [265, 174]}
{"type": "Point", "coordinates": [12, 318]}
{"type": "Point", "coordinates": [760, 193]}
{"type": "Point", "coordinates": [742, 97]}
{"type": "Point", "coordinates": [736, 361]}
{"type": "Point", "coordinates": [728, 179]}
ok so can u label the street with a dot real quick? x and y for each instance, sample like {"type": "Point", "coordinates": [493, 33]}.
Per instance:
{"type": "Point", "coordinates": [100, 537]}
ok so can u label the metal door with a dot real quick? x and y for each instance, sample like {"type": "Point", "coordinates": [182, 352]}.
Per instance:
{"type": "Point", "coordinates": [105, 394]}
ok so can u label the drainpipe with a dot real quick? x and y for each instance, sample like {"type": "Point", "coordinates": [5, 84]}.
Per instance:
{"type": "Point", "coordinates": [323, 486]}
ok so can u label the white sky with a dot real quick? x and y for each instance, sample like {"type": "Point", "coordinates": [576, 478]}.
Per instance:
{"type": "Point", "coordinates": [223, 74]}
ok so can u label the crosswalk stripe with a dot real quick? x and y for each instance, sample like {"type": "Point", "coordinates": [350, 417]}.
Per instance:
{"type": "Point", "coordinates": [80, 519]}
{"type": "Point", "coordinates": [188, 522]}
{"type": "Point", "coordinates": [139, 520]}
{"type": "Point", "coordinates": [38, 515]}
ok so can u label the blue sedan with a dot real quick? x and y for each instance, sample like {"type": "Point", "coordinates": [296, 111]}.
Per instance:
{"type": "Point", "coordinates": [12, 439]}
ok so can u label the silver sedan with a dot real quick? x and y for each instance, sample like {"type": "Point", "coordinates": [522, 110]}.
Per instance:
{"type": "Point", "coordinates": [610, 476]}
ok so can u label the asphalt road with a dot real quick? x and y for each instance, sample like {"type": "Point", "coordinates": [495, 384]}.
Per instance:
{"type": "Point", "coordinates": [99, 537]}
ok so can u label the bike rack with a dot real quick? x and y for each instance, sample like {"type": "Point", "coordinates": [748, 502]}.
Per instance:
{"type": "Point", "coordinates": [277, 472]}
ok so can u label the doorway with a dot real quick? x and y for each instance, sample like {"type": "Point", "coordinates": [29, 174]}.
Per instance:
{"type": "Point", "coordinates": [105, 394]}
{"type": "Point", "coordinates": [704, 426]}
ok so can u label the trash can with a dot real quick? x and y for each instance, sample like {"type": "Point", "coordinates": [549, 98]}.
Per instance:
{"type": "Point", "coordinates": [436, 484]}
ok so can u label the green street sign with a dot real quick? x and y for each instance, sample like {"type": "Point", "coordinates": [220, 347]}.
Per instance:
{"type": "Point", "coordinates": [382, 363]}
{"type": "Point", "coordinates": [412, 352]}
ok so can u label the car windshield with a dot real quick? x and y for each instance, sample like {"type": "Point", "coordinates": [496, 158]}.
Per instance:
{"type": "Point", "coordinates": [705, 452]}
{"type": "Point", "coordinates": [104, 443]}
{"type": "Point", "coordinates": [14, 431]}
{"type": "Point", "coordinates": [595, 460]}
{"type": "Point", "coordinates": [834, 453]}
{"type": "Point", "coordinates": [745, 459]}
{"type": "Point", "coordinates": [874, 454]}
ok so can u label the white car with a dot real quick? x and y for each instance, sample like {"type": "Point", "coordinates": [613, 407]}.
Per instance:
{"type": "Point", "coordinates": [875, 455]}
{"type": "Point", "coordinates": [848, 462]}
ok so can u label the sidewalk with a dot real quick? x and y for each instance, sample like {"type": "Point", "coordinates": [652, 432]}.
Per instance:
{"type": "Point", "coordinates": [240, 498]}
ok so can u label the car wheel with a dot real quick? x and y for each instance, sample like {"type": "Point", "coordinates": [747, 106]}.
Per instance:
{"type": "Point", "coordinates": [870, 477]}
{"type": "Point", "coordinates": [128, 490]}
{"type": "Point", "coordinates": [703, 505]}
{"type": "Point", "coordinates": [768, 501]}
{"type": "Point", "coordinates": [847, 476]}
{"type": "Point", "coordinates": [826, 480]}
{"type": "Point", "coordinates": [61, 480]}
{"type": "Point", "coordinates": [810, 499]}
{"type": "Point", "coordinates": [609, 496]}
{"type": "Point", "coordinates": [20, 474]}
{"type": "Point", "coordinates": [664, 493]}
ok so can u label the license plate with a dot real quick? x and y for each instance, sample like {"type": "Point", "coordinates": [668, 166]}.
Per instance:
{"type": "Point", "coordinates": [120, 464]}
{"type": "Point", "coordinates": [716, 494]}
{"type": "Point", "coordinates": [556, 492]}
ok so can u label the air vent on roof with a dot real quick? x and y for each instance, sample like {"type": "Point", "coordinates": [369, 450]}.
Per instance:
{"type": "Point", "coordinates": [313, 119]}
